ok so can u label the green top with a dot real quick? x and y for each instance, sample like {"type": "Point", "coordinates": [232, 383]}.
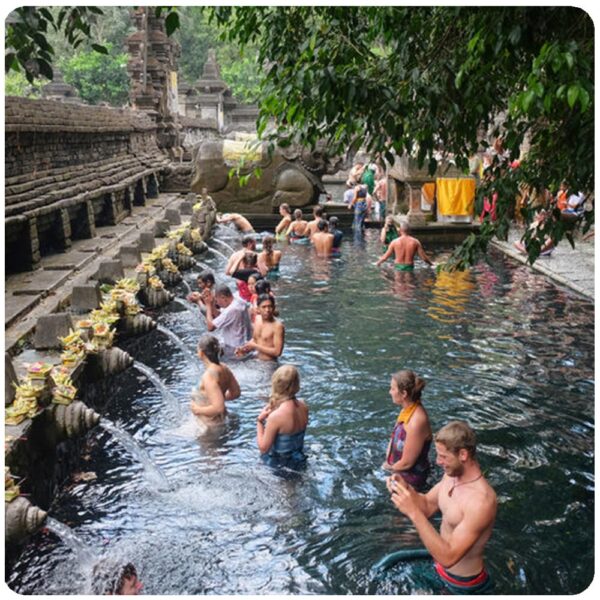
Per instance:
{"type": "Point", "coordinates": [390, 235]}
{"type": "Point", "coordinates": [368, 179]}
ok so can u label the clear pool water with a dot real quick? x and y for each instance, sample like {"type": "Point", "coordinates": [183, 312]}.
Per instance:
{"type": "Point", "coordinates": [499, 346]}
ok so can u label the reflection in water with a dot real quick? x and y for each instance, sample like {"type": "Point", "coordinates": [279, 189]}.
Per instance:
{"type": "Point", "coordinates": [498, 346]}
{"type": "Point", "coordinates": [451, 295]}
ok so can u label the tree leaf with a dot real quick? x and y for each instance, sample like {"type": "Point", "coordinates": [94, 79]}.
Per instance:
{"type": "Point", "coordinates": [172, 22]}
{"type": "Point", "coordinates": [572, 95]}
{"type": "Point", "coordinates": [100, 49]}
{"type": "Point", "coordinates": [45, 69]}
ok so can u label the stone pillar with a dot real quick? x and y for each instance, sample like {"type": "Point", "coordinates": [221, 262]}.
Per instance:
{"type": "Point", "coordinates": [416, 218]}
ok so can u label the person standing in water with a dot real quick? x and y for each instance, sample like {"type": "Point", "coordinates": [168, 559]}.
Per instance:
{"type": "Point", "coordinates": [218, 383]}
{"type": "Point", "coordinates": [468, 505]}
{"type": "Point", "coordinates": [298, 229]}
{"type": "Point", "coordinates": [407, 452]}
{"type": "Point", "coordinates": [404, 249]}
{"type": "Point", "coordinates": [269, 333]}
{"type": "Point", "coordinates": [323, 240]}
{"type": "Point", "coordinates": [281, 425]}
{"type": "Point", "coordinates": [269, 259]}
{"type": "Point", "coordinates": [286, 219]}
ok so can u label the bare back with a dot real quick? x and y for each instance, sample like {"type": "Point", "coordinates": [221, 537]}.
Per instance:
{"type": "Point", "coordinates": [298, 228]}
{"type": "Point", "coordinates": [405, 248]}
{"type": "Point", "coordinates": [323, 243]}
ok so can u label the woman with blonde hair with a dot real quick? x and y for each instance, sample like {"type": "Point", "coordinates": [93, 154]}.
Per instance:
{"type": "Point", "coordinates": [281, 425]}
{"type": "Point", "coordinates": [407, 452]}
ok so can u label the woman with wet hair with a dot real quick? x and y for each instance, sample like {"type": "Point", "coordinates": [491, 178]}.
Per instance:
{"type": "Point", "coordinates": [218, 383]}
{"type": "Point", "coordinates": [281, 425]}
{"type": "Point", "coordinates": [407, 452]}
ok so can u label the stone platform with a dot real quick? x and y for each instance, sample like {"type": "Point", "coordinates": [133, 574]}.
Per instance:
{"type": "Point", "coordinates": [48, 289]}
{"type": "Point", "coordinates": [571, 267]}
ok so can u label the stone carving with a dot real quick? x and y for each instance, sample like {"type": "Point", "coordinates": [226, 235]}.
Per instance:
{"type": "Point", "coordinates": [73, 419]}
{"type": "Point", "coordinates": [136, 325]}
{"type": "Point", "coordinates": [22, 519]}
{"type": "Point", "coordinates": [114, 360]}
{"type": "Point", "coordinates": [291, 175]}
{"type": "Point", "coordinates": [157, 297]}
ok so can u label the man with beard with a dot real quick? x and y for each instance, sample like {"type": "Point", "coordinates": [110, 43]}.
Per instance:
{"type": "Point", "coordinates": [467, 503]}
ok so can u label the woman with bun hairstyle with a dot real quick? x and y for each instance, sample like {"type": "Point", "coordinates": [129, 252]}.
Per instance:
{"type": "Point", "coordinates": [407, 452]}
{"type": "Point", "coordinates": [218, 383]}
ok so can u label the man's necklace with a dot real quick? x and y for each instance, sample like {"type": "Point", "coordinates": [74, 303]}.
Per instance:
{"type": "Point", "coordinates": [455, 485]}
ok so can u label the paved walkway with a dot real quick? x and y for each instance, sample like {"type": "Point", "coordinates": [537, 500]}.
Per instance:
{"type": "Point", "coordinates": [572, 267]}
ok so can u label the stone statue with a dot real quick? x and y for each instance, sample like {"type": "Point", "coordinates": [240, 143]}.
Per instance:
{"type": "Point", "coordinates": [291, 175]}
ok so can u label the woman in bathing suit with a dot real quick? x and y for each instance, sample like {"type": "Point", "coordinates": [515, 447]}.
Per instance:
{"type": "Point", "coordinates": [407, 452]}
{"type": "Point", "coordinates": [282, 435]}
{"type": "Point", "coordinates": [268, 259]}
{"type": "Point", "coordinates": [282, 227]}
{"type": "Point", "coordinates": [218, 383]}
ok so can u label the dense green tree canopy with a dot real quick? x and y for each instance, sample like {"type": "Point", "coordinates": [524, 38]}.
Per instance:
{"type": "Point", "coordinates": [396, 79]}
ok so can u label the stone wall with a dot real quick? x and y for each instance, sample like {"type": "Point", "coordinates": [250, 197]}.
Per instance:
{"type": "Point", "coordinates": [70, 168]}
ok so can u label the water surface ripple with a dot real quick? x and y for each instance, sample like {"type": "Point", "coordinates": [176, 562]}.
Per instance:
{"type": "Point", "coordinates": [499, 346]}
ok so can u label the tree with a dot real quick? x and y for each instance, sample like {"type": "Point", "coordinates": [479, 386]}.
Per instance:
{"type": "Point", "coordinates": [27, 47]}
{"type": "Point", "coordinates": [397, 80]}
{"type": "Point", "coordinates": [99, 77]}
{"type": "Point", "coordinates": [196, 35]}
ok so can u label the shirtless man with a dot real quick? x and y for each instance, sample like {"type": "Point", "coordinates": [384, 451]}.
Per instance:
{"type": "Point", "coordinates": [269, 332]}
{"type": "Point", "coordinates": [468, 506]}
{"type": "Point", "coordinates": [405, 248]}
{"type": "Point", "coordinates": [240, 222]}
{"type": "Point", "coordinates": [298, 229]}
{"type": "Point", "coordinates": [314, 224]}
{"type": "Point", "coordinates": [248, 245]}
{"type": "Point", "coordinates": [322, 239]}
{"type": "Point", "coordinates": [218, 383]}
{"type": "Point", "coordinates": [286, 219]}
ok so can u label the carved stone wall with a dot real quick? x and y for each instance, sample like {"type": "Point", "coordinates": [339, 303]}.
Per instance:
{"type": "Point", "coordinates": [70, 168]}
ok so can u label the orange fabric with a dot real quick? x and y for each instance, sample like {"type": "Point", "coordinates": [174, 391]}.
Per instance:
{"type": "Point", "coordinates": [456, 196]}
{"type": "Point", "coordinates": [428, 191]}
{"type": "Point", "coordinates": [561, 200]}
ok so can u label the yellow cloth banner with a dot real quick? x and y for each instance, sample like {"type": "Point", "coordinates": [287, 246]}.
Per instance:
{"type": "Point", "coordinates": [455, 196]}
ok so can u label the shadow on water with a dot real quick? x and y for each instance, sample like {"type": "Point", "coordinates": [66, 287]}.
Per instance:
{"type": "Point", "coordinates": [498, 346]}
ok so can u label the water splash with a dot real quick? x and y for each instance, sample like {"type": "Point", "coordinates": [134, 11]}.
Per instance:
{"type": "Point", "coordinates": [181, 344]}
{"type": "Point", "coordinates": [84, 555]}
{"type": "Point", "coordinates": [214, 251]}
{"type": "Point", "coordinates": [151, 374]}
{"type": "Point", "coordinates": [152, 472]}
{"type": "Point", "coordinates": [189, 306]}
{"type": "Point", "coordinates": [214, 239]}
{"type": "Point", "coordinates": [185, 284]}
{"type": "Point", "coordinates": [230, 232]}
{"type": "Point", "coordinates": [202, 265]}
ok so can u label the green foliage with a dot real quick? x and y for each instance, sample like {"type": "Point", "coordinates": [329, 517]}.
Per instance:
{"type": "Point", "coordinates": [26, 39]}
{"type": "Point", "coordinates": [16, 84]}
{"type": "Point", "coordinates": [99, 77]}
{"type": "Point", "coordinates": [196, 35]}
{"type": "Point", "coordinates": [240, 71]}
{"type": "Point", "coordinates": [397, 80]}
